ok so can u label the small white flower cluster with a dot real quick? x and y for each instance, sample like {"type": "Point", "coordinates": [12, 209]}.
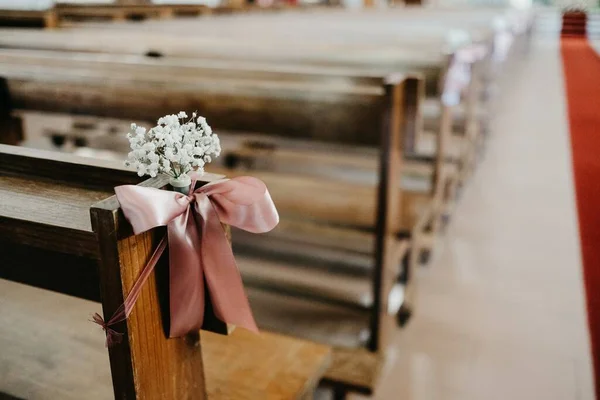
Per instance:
{"type": "Point", "coordinates": [174, 147]}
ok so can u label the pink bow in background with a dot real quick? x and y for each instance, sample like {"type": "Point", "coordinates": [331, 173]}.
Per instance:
{"type": "Point", "coordinates": [458, 75]}
{"type": "Point", "coordinates": [198, 248]}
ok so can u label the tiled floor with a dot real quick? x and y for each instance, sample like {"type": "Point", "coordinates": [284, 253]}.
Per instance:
{"type": "Point", "coordinates": [501, 312]}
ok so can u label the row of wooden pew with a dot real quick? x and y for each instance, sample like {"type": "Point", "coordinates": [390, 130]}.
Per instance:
{"type": "Point", "coordinates": [65, 14]}
{"type": "Point", "coordinates": [352, 119]}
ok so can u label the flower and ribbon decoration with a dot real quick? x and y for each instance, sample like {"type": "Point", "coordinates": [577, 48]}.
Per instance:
{"type": "Point", "coordinates": [458, 75]}
{"type": "Point", "coordinates": [199, 250]}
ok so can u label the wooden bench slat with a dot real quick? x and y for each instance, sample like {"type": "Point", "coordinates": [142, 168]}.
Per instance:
{"type": "Point", "coordinates": [48, 203]}
{"type": "Point", "coordinates": [285, 111]}
{"type": "Point", "coordinates": [308, 280]}
{"type": "Point", "coordinates": [187, 68]}
{"type": "Point", "coordinates": [329, 200]}
{"type": "Point", "coordinates": [316, 321]}
{"type": "Point", "coordinates": [355, 168]}
{"type": "Point", "coordinates": [348, 261]}
{"type": "Point", "coordinates": [51, 210]}
{"type": "Point", "coordinates": [427, 146]}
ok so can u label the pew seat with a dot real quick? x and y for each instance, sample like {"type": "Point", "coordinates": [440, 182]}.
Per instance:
{"type": "Point", "coordinates": [309, 319]}
{"type": "Point", "coordinates": [432, 110]}
{"type": "Point", "coordinates": [337, 277]}
{"type": "Point", "coordinates": [51, 350]}
{"type": "Point", "coordinates": [426, 146]}
{"type": "Point", "coordinates": [353, 368]}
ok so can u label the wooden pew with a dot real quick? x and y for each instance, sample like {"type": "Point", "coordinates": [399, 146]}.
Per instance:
{"type": "Point", "coordinates": [185, 68]}
{"type": "Point", "coordinates": [24, 63]}
{"type": "Point", "coordinates": [368, 40]}
{"type": "Point", "coordinates": [381, 47]}
{"type": "Point", "coordinates": [382, 108]}
{"type": "Point", "coordinates": [48, 240]}
{"type": "Point", "coordinates": [443, 176]}
{"type": "Point", "coordinates": [65, 14]}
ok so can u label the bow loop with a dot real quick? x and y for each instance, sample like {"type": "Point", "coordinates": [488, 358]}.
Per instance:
{"type": "Point", "coordinates": [199, 251]}
{"type": "Point", "coordinates": [146, 208]}
{"type": "Point", "coordinates": [243, 202]}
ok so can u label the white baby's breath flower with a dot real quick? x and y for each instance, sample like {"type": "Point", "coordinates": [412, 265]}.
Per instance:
{"type": "Point", "coordinates": [141, 169]}
{"type": "Point", "coordinates": [139, 153]}
{"type": "Point", "coordinates": [153, 157]}
{"type": "Point", "coordinates": [149, 146]}
{"type": "Point", "coordinates": [174, 147]}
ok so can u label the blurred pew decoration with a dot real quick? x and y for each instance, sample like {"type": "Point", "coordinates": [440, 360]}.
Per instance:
{"type": "Point", "coordinates": [364, 126]}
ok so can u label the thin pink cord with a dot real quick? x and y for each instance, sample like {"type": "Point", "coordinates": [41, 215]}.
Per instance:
{"type": "Point", "coordinates": [122, 313]}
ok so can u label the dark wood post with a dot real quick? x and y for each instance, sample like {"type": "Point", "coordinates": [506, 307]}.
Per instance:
{"type": "Point", "coordinates": [388, 211]}
{"type": "Point", "coordinates": [146, 365]}
{"type": "Point", "coordinates": [11, 131]}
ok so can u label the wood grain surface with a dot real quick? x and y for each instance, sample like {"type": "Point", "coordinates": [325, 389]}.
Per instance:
{"type": "Point", "coordinates": [264, 366]}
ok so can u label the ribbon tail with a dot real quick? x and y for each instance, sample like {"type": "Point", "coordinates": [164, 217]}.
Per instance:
{"type": "Point", "coordinates": [223, 278]}
{"type": "Point", "coordinates": [186, 278]}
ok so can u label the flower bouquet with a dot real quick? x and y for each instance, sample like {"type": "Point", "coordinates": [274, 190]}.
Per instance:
{"type": "Point", "coordinates": [176, 146]}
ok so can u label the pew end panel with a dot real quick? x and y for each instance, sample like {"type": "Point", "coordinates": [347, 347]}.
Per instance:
{"type": "Point", "coordinates": [387, 218]}
{"type": "Point", "coordinates": [11, 127]}
{"type": "Point", "coordinates": [122, 257]}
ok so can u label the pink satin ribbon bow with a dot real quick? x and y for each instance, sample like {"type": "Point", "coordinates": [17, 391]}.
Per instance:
{"type": "Point", "coordinates": [198, 248]}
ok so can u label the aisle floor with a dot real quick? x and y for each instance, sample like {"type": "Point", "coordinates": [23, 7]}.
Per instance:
{"type": "Point", "coordinates": [501, 311]}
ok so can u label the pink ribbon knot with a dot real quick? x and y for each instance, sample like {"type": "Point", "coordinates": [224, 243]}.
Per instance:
{"type": "Point", "coordinates": [112, 337]}
{"type": "Point", "coordinates": [199, 250]}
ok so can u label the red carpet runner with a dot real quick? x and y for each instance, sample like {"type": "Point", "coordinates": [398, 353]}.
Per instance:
{"type": "Point", "coordinates": [582, 77]}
